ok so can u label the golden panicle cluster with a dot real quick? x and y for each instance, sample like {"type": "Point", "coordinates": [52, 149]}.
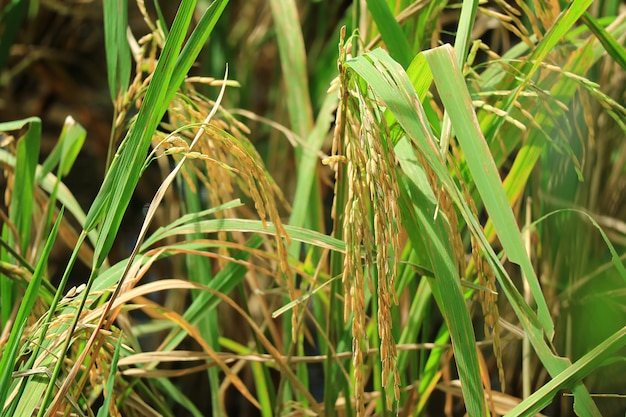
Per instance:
{"type": "Point", "coordinates": [383, 192]}
{"type": "Point", "coordinates": [224, 157]}
{"type": "Point", "coordinates": [371, 219]}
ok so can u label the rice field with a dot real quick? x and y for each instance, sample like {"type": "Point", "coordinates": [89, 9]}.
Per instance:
{"type": "Point", "coordinates": [298, 208]}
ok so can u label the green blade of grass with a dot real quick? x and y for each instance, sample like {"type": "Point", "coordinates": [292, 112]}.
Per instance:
{"type": "Point", "coordinates": [420, 76]}
{"type": "Point", "coordinates": [10, 352]}
{"type": "Point", "coordinates": [115, 193]}
{"type": "Point", "coordinates": [199, 270]}
{"type": "Point", "coordinates": [457, 102]}
{"type": "Point", "coordinates": [300, 234]}
{"type": "Point", "coordinates": [612, 47]}
{"type": "Point", "coordinates": [115, 14]}
{"type": "Point", "coordinates": [571, 376]}
{"type": "Point", "coordinates": [162, 21]}
{"type": "Point", "coordinates": [461, 47]}
{"type": "Point", "coordinates": [65, 150]}
{"type": "Point", "coordinates": [447, 291]}
{"type": "Point", "coordinates": [185, 220]}
{"type": "Point", "coordinates": [22, 203]}
{"type": "Point", "coordinates": [464, 32]}
{"type": "Point", "coordinates": [22, 200]}
{"type": "Point", "coordinates": [194, 45]}
{"type": "Point", "coordinates": [390, 31]}
{"type": "Point", "coordinates": [293, 64]}
{"type": "Point", "coordinates": [308, 163]}
{"type": "Point", "coordinates": [171, 69]}
{"type": "Point", "coordinates": [103, 411]}
{"type": "Point", "coordinates": [64, 154]}
{"type": "Point", "coordinates": [169, 74]}
{"type": "Point", "coordinates": [122, 178]}
{"type": "Point", "coordinates": [452, 89]}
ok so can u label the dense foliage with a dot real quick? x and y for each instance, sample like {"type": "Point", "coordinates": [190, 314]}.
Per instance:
{"type": "Point", "coordinates": [280, 207]}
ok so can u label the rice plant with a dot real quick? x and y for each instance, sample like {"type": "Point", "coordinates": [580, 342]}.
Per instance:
{"type": "Point", "coordinates": [313, 208]}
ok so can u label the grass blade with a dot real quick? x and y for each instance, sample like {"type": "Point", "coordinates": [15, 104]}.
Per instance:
{"type": "Point", "coordinates": [458, 104]}
{"type": "Point", "coordinates": [449, 296]}
{"type": "Point", "coordinates": [65, 151]}
{"type": "Point", "coordinates": [194, 45]}
{"type": "Point", "coordinates": [112, 200]}
{"type": "Point", "coordinates": [464, 31]}
{"type": "Point", "coordinates": [21, 207]}
{"type": "Point", "coordinates": [108, 391]}
{"type": "Point", "coordinates": [293, 64]}
{"type": "Point", "coordinates": [117, 49]}
{"type": "Point", "coordinates": [22, 203]}
{"type": "Point", "coordinates": [390, 31]}
{"type": "Point", "coordinates": [10, 352]}
{"type": "Point", "coordinates": [612, 47]}
{"type": "Point", "coordinates": [571, 376]}
{"type": "Point", "coordinates": [307, 165]}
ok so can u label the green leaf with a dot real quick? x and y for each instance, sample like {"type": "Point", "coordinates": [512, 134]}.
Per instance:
{"type": "Point", "coordinates": [194, 45]}
{"type": "Point", "coordinates": [464, 31]}
{"type": "Point", "coordinates": [21, 204]}
{"type": "Point", "coordinates": [65, 150]}
{"type": "Point", "coordinates": [458, 104]}
{"type": "Point", "coordinates": [307, 236]}
{"type": "Point", "coordinates": [307, 168]}
{"type": "Point", "coordinates": [170, 72]}
{"type": "Point", "coordinates": [103, 411]}
{"type": "Point", "coordinates": [612, 47]}
{"type": "Point", "coordinates": [293, 64]}
{"type": "Point", "coordinates": [122, 178]}
{"type": "Point", "coordinates": [571, 376]}
{"type": "Point", "coordinates": [13, 344]}
{"type": "Point", "coordinates": [116, 45]}
{"type": "Point", "coordinates": [22, 199]}
{"type": "Point", "coordinates": [449, 296]}
{"type": "Point", "coordinates": [390, 31]}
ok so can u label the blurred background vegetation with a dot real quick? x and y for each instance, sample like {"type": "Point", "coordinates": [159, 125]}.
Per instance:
{"type": "Point", "coordinates": [200, 335]}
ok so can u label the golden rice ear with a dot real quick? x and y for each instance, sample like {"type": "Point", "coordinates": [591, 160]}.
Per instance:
{"type": "Point", "coordinates": [371, 219]}
{"type": "Point", "coordinates": [226, 164]}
